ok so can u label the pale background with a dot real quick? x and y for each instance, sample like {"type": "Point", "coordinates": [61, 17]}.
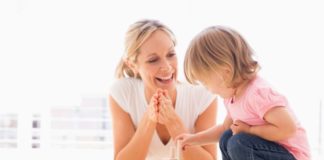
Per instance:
{"type": "Point", "coordinates": [63, 53]}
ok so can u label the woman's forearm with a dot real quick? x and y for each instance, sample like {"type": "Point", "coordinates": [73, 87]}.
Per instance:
{"type": "Point", "coordinates": [137, 147]}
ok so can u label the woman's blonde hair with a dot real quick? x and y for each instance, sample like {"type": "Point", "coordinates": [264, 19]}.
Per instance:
{"type": "Point", "coordinates": [136, 35]}
{"type": "Point", "coordinates": [216, 48]}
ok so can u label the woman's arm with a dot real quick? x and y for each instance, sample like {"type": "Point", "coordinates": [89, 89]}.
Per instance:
{"type": "Point", "coordinates": [130, 143]}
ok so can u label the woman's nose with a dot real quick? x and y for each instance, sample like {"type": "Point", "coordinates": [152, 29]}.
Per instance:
{"type": "Point", "coordinates": [166, 66]}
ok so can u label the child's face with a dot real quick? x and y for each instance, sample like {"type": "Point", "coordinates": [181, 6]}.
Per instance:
{"type": "Point", "coordinates": [216, 84]}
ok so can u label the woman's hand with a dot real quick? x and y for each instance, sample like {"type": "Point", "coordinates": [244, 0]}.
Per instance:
{"type": "Point", "coordinates": [153, 110]}
{"type": "Point", "coordinates": [166, 111]}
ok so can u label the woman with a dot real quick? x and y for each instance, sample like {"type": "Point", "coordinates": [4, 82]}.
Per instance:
{"type": "Point", "coordinates": [149, 107]}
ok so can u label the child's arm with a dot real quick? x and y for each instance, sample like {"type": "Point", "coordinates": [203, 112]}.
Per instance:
{"type": "Point", "coordinates": [211, 135]}
{"type": "Point", "coordinates": [280, 125]}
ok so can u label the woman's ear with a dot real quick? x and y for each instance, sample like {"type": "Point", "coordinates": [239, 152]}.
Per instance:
{"type": "Point", "coordinates": [132, 66]}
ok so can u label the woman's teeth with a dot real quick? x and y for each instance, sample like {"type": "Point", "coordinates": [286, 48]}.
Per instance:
{"type": "Point", "coordinates": [165, 78]}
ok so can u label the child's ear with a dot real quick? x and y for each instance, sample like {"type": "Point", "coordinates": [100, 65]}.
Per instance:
{"type": "Point", "coordinates": [132, 66]}
{"type": "Point", "coordinates": [226, 74]}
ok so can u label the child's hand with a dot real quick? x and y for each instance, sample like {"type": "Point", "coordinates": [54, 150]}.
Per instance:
{"type": "Point", "coordinates": [186, 140]}
{"type": "Point", "coordinates": [239, 126]}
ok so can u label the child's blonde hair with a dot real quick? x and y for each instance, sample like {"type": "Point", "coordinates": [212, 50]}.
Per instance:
{"type": "Point", "coordinates": [136, 35]}
{"type": "Point", "coordinates": [219, 47]}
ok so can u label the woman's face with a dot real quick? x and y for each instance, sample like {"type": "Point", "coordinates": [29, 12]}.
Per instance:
{"type": "Point", "coordinates": [157, 62]}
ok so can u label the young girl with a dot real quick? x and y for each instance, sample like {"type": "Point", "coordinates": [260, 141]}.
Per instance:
{"type": "Point", "coordinates": [259, 122]}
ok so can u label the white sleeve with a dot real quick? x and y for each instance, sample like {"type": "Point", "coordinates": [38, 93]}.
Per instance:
{"type": "Point", "coordinates": [120, 92]}
{"type": "Point", "coordinates": [205, 98]}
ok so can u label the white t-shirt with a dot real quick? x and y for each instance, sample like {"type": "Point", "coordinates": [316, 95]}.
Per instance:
{"type": "Point", "coordinates": [191, 101]}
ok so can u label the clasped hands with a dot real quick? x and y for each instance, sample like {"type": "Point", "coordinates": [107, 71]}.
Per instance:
{"type": "Point", "coordinates": [160, 108]}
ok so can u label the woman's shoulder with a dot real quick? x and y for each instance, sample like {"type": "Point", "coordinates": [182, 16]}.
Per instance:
{"type": "Point", "coordinates": [194, 92]}
{"type": "Point", "coordinates": [190, 88]}
{"type": "Point", "coordinates": [126, 82]}
{"type": "Point", "coordinates": [124, 90]}
{"type": "Point", "coordinates": [125, 85]}
{"type": "Point", "coordinates": [196, 96]}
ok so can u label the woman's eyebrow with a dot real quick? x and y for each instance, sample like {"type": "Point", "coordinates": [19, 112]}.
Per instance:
{"type": "Point", "coordinates": [151, 54]}
{"type": "Point", "coordinates": [154, 53]}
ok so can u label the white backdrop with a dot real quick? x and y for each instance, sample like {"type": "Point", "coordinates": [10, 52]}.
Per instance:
{"type": "Point", "coordinates": [54, 52]}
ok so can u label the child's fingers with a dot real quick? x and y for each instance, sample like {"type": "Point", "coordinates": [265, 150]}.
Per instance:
{"type": "Point", "coordinates": [179, 137]}
{"type": "Point", "coordinates": [185, 146]}
{"type": "Point", "coordinates": [238, 122]}
{"type": "Point", "coordinates": [233, 128]}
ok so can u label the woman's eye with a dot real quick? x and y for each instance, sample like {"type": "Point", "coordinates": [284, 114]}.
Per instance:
{"type": "Point", "coordinates": [152, 60]}
{"type": "Point", "coordinates": [171, 54]}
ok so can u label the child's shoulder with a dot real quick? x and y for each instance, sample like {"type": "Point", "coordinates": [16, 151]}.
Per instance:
{"type": "Point", "coordinates": [263, 92]}
{"type": "Point", "coordinates": [257, 88]}
{"type": "Point", "coordinates": [258, 84]}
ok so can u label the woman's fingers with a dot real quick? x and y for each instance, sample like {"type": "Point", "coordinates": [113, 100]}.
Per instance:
{"type": "Point", "coordinates": [153, 108]}
{"type": "Point", "coordinates": [166, 94]}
